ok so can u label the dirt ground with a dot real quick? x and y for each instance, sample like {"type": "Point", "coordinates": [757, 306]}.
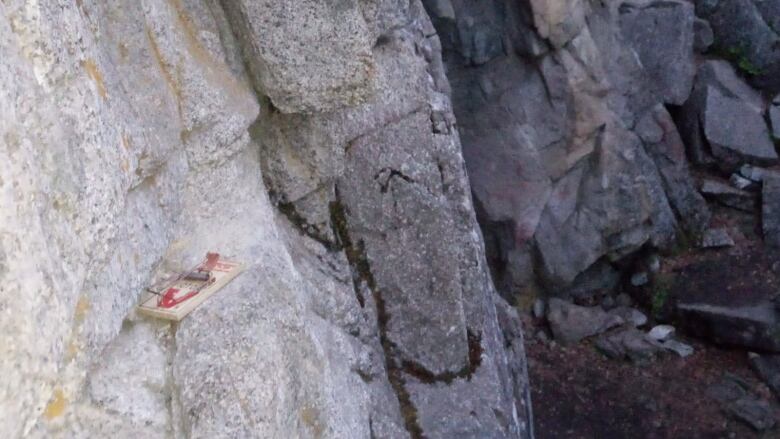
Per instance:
{"type": "Point", "coordinates": [579, 393]}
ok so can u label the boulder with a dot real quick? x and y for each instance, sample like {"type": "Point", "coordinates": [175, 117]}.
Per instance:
{"type": "Point", "coordinates": [721, 76]}
{"type": "Point", "coordinates": [728, 196]}
{"type": "Point", "coordinates": [662, 36]}
{"type": "Point", "coordinates": [736, 399]}
{"type": "Point", "coordinates": [735, 130]}
{"type": "Point", "coordinates": [746, 32]}
{"type": "Point", "coordinates": [751, 326]}
{"type": "Point", "coordinates": [717, 237]}
{"type": "Point", "coordinates": [767, 367]}
{"type": "Point", "coordinates": [571, 323]}
{"type": "Point", "coordinates": [770, 211]}
{"type": "Point", "coordinates": [724, 298]}
{"type": "Point", "coordinates": [629, 343]}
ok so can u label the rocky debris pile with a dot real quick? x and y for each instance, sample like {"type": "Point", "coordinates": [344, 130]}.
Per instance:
{"type": "Point", "coordinates": [585, 162]}
{"type": "Point", "coordinates": [616, 330]}
{"type": "Point", "coordinates": [739, 400]}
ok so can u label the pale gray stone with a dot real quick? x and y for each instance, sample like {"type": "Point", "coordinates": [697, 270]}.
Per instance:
{"type": "Point", "coordinates": [681, 349]}
{"type": "Point", "coordinates": [629, 343]}
{"type": "Point", "coordinates": [735, 130]}
{"type": "Point", "coordinates": [740, 182]}
{"type": "Point", "coordinates": [571, 323]}
{"type": "Point", "coordinates": [661, 332]}
{"type": "Point", "coordinates": [716, 237]}
{"type": "Point", "coordinates": [632, 316]}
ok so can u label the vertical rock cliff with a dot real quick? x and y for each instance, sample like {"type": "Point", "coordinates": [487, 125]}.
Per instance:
{"type": "Point", "coordinates": [574, 160]}
{"type": "Point", "coordinates": [314, 141]}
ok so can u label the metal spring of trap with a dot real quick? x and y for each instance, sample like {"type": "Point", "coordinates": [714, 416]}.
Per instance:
{"type": "Point", "coordinates": [202, 272]}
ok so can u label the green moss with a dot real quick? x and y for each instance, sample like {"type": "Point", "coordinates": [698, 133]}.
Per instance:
{"type": "Point", "coordinates": [662, 288]}
{"type": "Point", "coordinates": [738, 57]}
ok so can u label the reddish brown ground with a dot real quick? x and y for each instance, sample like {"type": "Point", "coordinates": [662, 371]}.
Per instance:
{"type": "Point", "coordinates": [578, 393]}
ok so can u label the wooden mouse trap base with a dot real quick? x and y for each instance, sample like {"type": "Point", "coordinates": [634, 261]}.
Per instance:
{"type": "Point", "coordinates": [182, 295]}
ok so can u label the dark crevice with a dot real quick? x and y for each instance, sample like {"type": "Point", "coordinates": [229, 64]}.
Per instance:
{"type": "Point", "coordinates": [354, 254]}
{"type": "Point", "coordinates": [475, 360]}
{"type": "Point", "coordinates": [362, 275]}
{"type": "Point", "coordinates": [289, 210]}
{"type": "Point", "coordinates": [390, 174]}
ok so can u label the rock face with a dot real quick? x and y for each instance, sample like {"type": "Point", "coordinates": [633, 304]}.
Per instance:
{"type": "Point", "coordinates": [748, 32]}
{"type": "Point", "coordinates": [313, 141]}
{"type": "Point", "coordinates": [722, 122]}
{"type": "Point", "coordinates": [547, 97]}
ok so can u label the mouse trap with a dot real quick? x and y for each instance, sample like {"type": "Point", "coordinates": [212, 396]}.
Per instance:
{"type": "Point", "coordinates": [176, 298]}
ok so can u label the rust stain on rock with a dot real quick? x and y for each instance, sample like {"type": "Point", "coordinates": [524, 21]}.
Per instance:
{"type": "Point", "coordinates": [94, 73]}
{"type": "Point", "coordinates": [56, 406]}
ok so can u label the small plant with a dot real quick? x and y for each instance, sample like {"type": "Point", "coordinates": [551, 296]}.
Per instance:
{"type": "Point", "coordinates": [738, 56]}
{"type": "Point", "coordinates": [661, 293]}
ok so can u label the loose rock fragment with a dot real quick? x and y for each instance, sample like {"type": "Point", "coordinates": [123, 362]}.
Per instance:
{"type": "Point", "coordinates": [767, 367]}
{"type": "Point", "coordinates": [740, 182]}
{"type": "Point", "coordinates": [571, 323]}
{"type": "Point", "coordinates": [629, 343]}
{"type": "Point", "coordinates": [714, 238]}
{"type": "Point", "coordinates": [661, 332]}
{"type": "Point", "coordinates": [728, 196]}
{"type": "Point", "coordinates": [756, 173]}
{"type": "Point", "coordinates": [631, 316]}
{"type": "Point", "coordinates": [679, 348]}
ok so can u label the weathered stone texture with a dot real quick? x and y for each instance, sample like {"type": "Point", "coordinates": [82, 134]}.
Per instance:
{"type": "Point", "coordinates": [559, 171]}
{"type": "Point", "coordinates": [366, 309]}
